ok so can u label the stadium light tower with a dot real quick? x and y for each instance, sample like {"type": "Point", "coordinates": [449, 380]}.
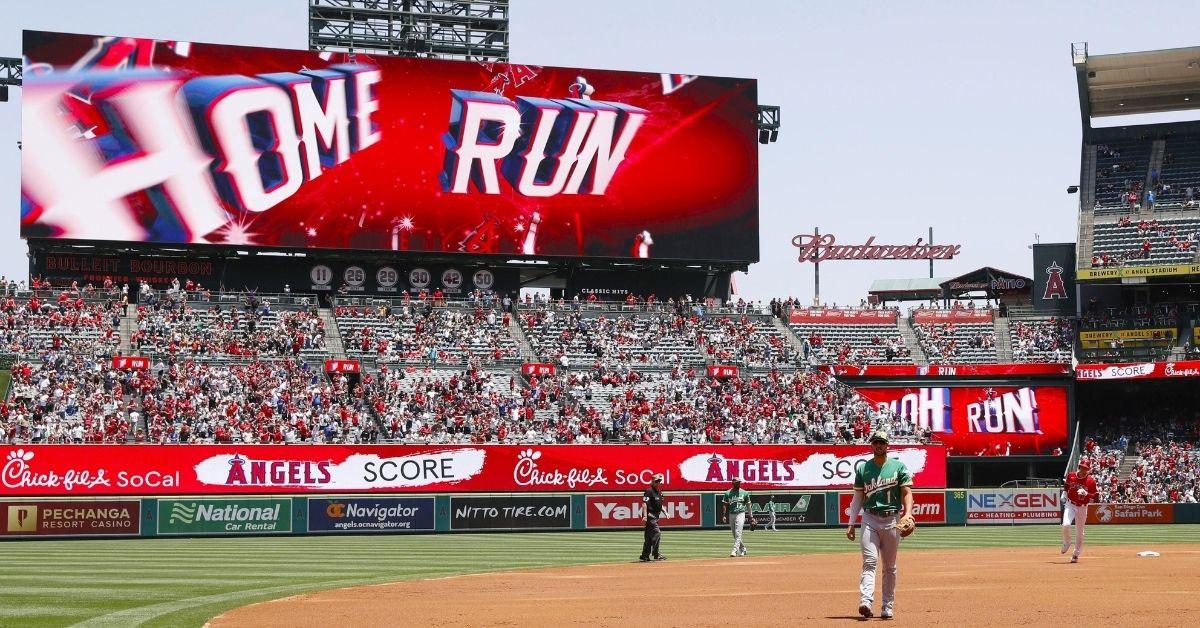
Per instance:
{"type": "Point", "coordinates": [472, 30]}
{"type": "Point", "coordinates": [10, 75]}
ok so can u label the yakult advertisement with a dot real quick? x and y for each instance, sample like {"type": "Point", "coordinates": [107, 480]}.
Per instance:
{"type": "Point", "coordinates": [68, 470]}
{"type": "Point", "coordinates": [983, 420]}
{"type": "Point", "coordinates": [142, 140]}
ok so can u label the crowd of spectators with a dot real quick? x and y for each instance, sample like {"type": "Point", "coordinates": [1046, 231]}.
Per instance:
{"type": "Point", "coordinates": [252, 330]}
{"type": "Point", "coordinates": [65, 396]}
{"type": "Point", "coordinates": [426, 331]}
{"type": "Point", "coordinates": [1048, 340]}
{"type": "Point", "coordinates": [1167, 468]}
{"type": "Point", "coordinates": [949, 342]}
{"type": "Point", "coordinates": [31, 323]}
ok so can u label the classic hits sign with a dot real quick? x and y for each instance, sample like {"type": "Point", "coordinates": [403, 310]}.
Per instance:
{"type": "Point", "coordinates": [140, 140]}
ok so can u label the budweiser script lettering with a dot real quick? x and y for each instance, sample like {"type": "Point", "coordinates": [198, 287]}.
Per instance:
{"type": "Point", "coordinates": [526, 473]}
{"type": "Point", "coordinates": [819, 248]}
{"type": "Point", "coordinates": [17, 474]}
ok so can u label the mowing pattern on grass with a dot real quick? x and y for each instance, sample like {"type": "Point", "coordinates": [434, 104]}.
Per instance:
{"type": "Point", "coordinates": [183, 582]}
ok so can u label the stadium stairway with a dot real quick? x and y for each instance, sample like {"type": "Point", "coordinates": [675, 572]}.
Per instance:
{"type": "Point", "coordinates": [790, 335]}
{"type": "Point", "coordinates": [518, 334]}
{"type": "Point", "coordinates": [1127, 466]}
{"type": "Point", "coordinates": [128, 324]}
{"type": "Point", "coordinates": [910, 340]}
{"type": "Point", "coordinates": [1004, 353]}
{"type": "Point", "coordinates": [1158, 150]}
{"type": "Point", "coordinates": [1087, 199]}
{"type": "Point", "coordinates": [333, 334]}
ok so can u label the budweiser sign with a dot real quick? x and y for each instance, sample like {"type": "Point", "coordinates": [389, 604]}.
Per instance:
{"type": "Point", "coordinates": [815, 247]}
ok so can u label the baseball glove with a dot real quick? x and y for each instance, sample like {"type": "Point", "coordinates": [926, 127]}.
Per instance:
{"type": "Point", "coordinates": [753, 524]}
{"type": "Point", "coordinates": [907, 525]}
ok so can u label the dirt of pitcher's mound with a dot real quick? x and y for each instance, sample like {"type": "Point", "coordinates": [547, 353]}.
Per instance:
{"type": "Point", "coordinates": [995, 587]}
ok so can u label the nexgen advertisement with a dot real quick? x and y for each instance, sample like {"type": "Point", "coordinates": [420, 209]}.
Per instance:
{"type": "Point", "coordinates": [141, 140]}
{"type": "Point", "coordinates": [983, 420]}
{"type": "Point", "coordinates": [67, 470]}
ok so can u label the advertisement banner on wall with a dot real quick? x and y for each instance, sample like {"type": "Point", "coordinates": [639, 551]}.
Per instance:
{"type": "Point", "coordinates": [68, 470]}
{"type": "Point", "coordinates": [951, 316]}
{"type": "Point", "coordinates": [225, 516]}
{"type": "Point", "coordinates": [512, 512]}
{"type": "Point", "coordinates": [626, 511]}
{"type": "Point", "coordinates": [982, 420]}
{"type": "Point", "coordinates": [1009, 506]}
{"type": "Point", "coordinates": [791, 509]}
{"type": "Point", "coordinates": [928, 507]}
{"type": "Point", "coordinates": [71, 518]}
{"type": "Point", "coordinates": [1143, 370]}
{"type": "Point", "coordinates": [835, 316]}
{"type": "Point", "coordinates": [948, 370]}
{"type": "Point", "coordinates": [1131, 513]}
{"type": "Point", "coordinates": [377, 514]}
{"type": "Point", "coordinates": [242, 146]}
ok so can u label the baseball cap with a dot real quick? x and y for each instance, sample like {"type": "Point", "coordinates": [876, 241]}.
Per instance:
{"type": "Point", "coordinates": [658, 477]}
{"type": "Point", "coordinates": [1084, 464]}
{"type": "Point", "coordinates": [879, 435]}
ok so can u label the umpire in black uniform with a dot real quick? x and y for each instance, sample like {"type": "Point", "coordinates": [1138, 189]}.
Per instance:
{"type": "Point", "coordinates": [653, 501]}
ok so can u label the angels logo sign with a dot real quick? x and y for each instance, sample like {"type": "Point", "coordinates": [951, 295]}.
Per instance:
{"type": "Point", "coordinates": [1055, 288]}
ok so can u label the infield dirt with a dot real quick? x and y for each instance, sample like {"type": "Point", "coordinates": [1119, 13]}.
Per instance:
{"type": "Point", "coordinates": [1111, 585]}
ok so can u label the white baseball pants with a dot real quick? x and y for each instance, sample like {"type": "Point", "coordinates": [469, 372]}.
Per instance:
{"type": "Point", "coordinates": [737, 520]}
{"type": "Point", "coordinates": [1078, 516]}
{"type": "Point", "coordinates": [879, 539]}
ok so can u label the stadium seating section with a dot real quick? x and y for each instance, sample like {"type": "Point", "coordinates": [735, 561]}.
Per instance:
{"type": "Point", "coordinates": [1121, 169]}
{"type": "Point", "coordinates": [957, 343]}
{"type": "Point", "coordinates": [1042, 340]}
{"type": "Point", "coordinates": [1161, 241]}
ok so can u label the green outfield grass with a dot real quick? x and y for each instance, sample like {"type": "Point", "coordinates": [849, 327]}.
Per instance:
{"type": "Point", "coordinates": [183, 582]}
{"type": "Point", "coordinates": [5, 380]}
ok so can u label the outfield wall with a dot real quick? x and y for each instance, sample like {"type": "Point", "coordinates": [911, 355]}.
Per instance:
{"type": "Point", "coordinates": [460, 513]}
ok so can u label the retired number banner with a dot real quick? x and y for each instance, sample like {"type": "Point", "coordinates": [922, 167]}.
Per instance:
{"type": "Point", "coordinates": [69, 470]}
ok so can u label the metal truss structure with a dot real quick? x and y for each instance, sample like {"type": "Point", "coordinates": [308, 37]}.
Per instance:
{"type": "Point", "coordinates": [474, 30]}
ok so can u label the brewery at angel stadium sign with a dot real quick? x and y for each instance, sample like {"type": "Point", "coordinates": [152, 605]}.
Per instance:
{"type": "Point", "coordinates": [817, 247]}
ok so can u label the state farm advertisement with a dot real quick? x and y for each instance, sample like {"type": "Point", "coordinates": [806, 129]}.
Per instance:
{"type": "Point", "coordinates": [927, 507]}
{"type": "Point", "coordinates": [626, 511]}
{"type": "Point", "coordinates": [60, 470]}
{"type": "Point", "coordinates": [983, 420]}
{"type": "Point", "coordinates": [142, 140]}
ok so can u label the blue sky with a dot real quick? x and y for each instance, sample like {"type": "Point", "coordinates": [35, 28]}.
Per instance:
{"type": "Point", "coordinates": [896, 116]}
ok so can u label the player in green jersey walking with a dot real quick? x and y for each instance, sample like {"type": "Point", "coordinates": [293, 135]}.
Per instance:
{"type": "Point", "coordinates": [883, 491]}
{"type": "Point", "coordinates": [737, 504]}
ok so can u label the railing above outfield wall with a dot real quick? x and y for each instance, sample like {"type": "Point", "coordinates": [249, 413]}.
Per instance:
{"type": "Point", "coordinates": [464, 513]}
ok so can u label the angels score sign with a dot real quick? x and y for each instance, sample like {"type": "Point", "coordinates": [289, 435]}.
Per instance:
{"type": "Point", "coordinates": [66, 470]}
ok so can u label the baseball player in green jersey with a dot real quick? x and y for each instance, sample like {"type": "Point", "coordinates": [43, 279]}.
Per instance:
{"type": "Point", "coordinates": [737, 504]}
{"type": "Point", "coordinates": [883, 492]}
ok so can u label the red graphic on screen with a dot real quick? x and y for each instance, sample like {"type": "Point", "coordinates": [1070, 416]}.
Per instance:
{"type": "Point", "coordinates": [983, 420]}
{"type": "Point", "coordinates": [173, 142]}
